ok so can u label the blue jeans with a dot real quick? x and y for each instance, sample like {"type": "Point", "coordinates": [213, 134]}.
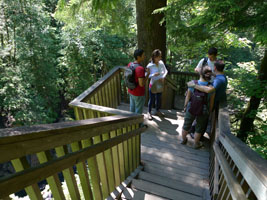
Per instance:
{"type": "Point", "coordinates": [137, 103]}
{"type": "Point", "coordinates": [152, 98]}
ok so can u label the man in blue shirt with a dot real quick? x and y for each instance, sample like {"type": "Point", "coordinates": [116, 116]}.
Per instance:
{"type": "Point", "coordinates": [219, 84]}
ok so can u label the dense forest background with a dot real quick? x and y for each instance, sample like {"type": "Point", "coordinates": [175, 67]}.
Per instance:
{"type": "Point", "coordinates": [53, 50]}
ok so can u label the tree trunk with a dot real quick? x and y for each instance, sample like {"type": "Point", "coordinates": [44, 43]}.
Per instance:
{"type": "Point", "coordinates": [150, 34]}
{"type": "Point", "coordinates": [251, 111]}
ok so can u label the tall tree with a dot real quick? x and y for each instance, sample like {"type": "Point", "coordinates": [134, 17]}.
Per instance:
{"type": "Point", "coordinates": [151, 30]}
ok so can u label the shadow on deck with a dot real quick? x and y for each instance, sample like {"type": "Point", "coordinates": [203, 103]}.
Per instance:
{"type": "Point", "coordinates": [170, 170]}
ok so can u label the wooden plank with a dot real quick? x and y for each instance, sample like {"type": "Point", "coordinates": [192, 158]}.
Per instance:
{"type": "Point", "coordinates": [33, 191]}
{"type": "Point", "coordinates": [119, 87]}
{"type": "Point", "coordinates": [103, 96]}
{"type": "Point", "coordinates": [53, 180]}
{"type": "Point", "coordinates": [30, 176]}
{"type": "Point", "coordinates": [126, 154]}
{"type": "Point", "coordinates": [233, 185]}
{"type": "Point", "coordinates": [171, 183]}
{"type": "Point", "coordinates": [170, 155]}
{"type": "Point", "coordinates": [99, 94]}
{"type": "Point", "coordinates": [162, 191]}
{"type": "Point", "coordinates": [129, 193]}
{"type": "Point", "coordinates": [134, 149]}
{"type": "Point", "coordinates": [109, 164]}
{"type": "Point", "coordinates": [172, 144]}
{"type": "Point", "coordinates": [115, 158]}
{"type": "Point", "coordinates": [94, 173]}
{"type": "Point", "coordinates": [69, 176]}
{"type": "Point", "coordinates": [175, 163]}
{"type": "Point", "coordinates": [112, 91]}
{"type": "Point", "coordinates": [102, 169]}
{"type": "Point", "coordinates": [107, 95]}
{"type": "Point", "coordinates": [130, 150]}
{"type": "Point", "coordinates": [121, 157]}
{"type": "Point", "coordinates": [83, 173]}
{"type": "Point", "coordinates": [187, 178]}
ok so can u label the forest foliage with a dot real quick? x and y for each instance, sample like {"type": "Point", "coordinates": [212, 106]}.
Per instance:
{"type": "Point", "coordinates": [52, 50]}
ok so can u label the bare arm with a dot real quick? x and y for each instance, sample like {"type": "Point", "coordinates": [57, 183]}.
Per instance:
{"type": "Point", "coordinates": [212, 97]}
{"type": "Point", "coordinates": [187, 98]}
{"type": "Point", "coordinates": [206, 89]}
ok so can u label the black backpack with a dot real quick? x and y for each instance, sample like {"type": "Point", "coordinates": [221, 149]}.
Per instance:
{"type": "Point", "coordinates": [199, 102]}
{"type": "Point", "coordinates": [129, 76]}
{"type": "Point", "coordinates": [205, 61]}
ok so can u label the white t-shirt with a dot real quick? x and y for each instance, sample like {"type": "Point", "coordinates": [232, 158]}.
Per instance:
{"type": "Point", "coordinates": [157, 68]}
{"type": "Point", "coordinates": [210, 64]}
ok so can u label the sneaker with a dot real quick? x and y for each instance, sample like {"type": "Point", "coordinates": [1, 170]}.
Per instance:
{"type": "Point", "coordinates": [198, 145]}
{"type": "Point", "coordinates": [183, 141]}
{"type": "Point", "coordinates": [149, 116]}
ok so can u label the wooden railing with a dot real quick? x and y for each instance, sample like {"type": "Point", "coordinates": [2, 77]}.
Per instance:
{"type": "Point", "coordinates": [181, 78]}
{"type": "Point", "coordinates": [104, 147]}
{"type": "Point", "coordinates": [236, 172]}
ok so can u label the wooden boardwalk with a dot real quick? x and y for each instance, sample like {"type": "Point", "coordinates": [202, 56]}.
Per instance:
{"type": "Point", "coordinates": [171, 170]}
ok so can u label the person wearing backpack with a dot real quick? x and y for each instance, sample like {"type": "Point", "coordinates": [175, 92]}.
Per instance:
{"type": "Point", "coordinates": [212, 56]}
{"type": "Point", "coordinates": [198, 105]}
{"type": "Point", "coordinates": [218, 86]}
{"type": "Point", "coordinates": [158, 72]}
{"type": "Point", "coordinates": [136, 92]}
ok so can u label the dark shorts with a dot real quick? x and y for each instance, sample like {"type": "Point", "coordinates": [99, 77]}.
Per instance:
{"type": "Point", "coordinates": [201, 124]}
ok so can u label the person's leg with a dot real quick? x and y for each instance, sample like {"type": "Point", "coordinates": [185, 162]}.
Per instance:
{"type": "Point", "coordinates": [151, 100]}
{"type": "Point", "coordinates": [188, 120]}
{"type": "Point", "coordinates": [140, 102]}
{"type": "Point", "coordinates": [158, 101]}
{"type": "Point", "coordinates": [132, 103]}
{"type": "Point", "coordinates": [200, 129]}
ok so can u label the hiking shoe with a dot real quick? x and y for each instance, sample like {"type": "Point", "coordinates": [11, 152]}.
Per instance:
{"type": "Point", "coordinates": [183, 141]}
{"type": "Point", "coordinates": [149, 116]}
{"type": "Point", "coordinates": [198, 145]}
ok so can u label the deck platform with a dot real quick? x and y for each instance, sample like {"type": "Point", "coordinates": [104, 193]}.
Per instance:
{"type": "Point", "coordinates": [170, 170]}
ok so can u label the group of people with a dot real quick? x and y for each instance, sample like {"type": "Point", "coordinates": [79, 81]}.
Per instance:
{"type": "Point", "coordinates": [156, 71]}
{"type": "Point", "coordinates": [203, 96]}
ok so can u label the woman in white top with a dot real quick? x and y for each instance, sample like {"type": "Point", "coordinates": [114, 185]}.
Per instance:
{"type": "Point", "coordinates": [158, 72]}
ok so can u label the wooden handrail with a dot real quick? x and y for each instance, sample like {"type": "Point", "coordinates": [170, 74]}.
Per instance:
{"type": "Point", "coordinates": [36, 174]}
{"type": "Point", "coordinates": [248, 169]}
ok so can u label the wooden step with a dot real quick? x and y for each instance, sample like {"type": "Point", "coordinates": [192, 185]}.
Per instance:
{"type": "Point", "coordinates": [173, 155]}
{"type": "Point", "coordinates": [172, 143]}
{"type": "Point", "coordinates": [175, 164]}
{"type": "Point", "coordinates": [166, 148]}
{"type": "Point", "coordinates": [129, 193]}
{"type": "Point", "coordinates": [176, 174]}
{"type": "Point", "coordinates": [171, 183]}
{"type": "Point", "coordinates": [162, 191]}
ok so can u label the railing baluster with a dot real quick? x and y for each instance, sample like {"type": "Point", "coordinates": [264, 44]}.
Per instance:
{"type": "Point", "coordinates": [53, 181]}
{"type": "Point", "coordinates": [69, 175]}
{"type": "Point", "coordinates": [121, 157]}
{"type": "Point", "coordinates": [130, 149]}
{"type": "Point", "coordinates": [115, 158]}
{"type": "Point", "coordinates": [33, 191]}
{"type": "Point", "coordinates": [126, 154]}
